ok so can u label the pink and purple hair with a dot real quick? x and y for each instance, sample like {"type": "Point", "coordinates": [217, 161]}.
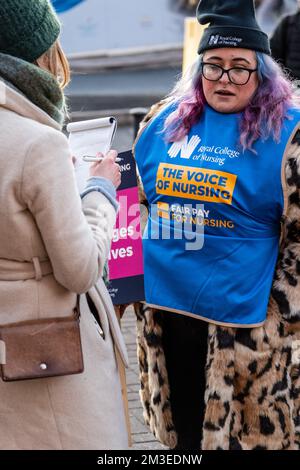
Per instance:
{"type": "Point", "coordinates": [261, 119]}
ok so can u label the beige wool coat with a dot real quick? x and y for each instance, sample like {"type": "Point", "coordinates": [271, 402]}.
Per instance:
{"type": "Point", "coordinates": [52, 247]}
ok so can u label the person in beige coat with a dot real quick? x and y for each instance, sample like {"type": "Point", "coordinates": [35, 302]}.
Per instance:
{"type": "Point", "coordinates": [53, 245]}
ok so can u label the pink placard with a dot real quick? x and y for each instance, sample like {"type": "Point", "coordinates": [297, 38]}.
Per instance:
{"type": "Point", "coordinates": [126, 254]}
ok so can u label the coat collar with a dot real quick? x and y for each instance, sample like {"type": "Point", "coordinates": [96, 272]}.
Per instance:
{"type": "Point", "coordinates": [15, 101]}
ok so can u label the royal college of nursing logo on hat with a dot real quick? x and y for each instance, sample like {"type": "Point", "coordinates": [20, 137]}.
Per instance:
{"type": "Point", "coordinates": [213, 40]}
{"type": "Point", "coordinates": [217, 40]}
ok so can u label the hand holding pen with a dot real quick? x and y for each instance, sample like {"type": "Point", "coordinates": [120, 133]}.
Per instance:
{"type": "Point", "coordinates": [98, 158]}
{"type": "Point", "coordinates": [105, 167]}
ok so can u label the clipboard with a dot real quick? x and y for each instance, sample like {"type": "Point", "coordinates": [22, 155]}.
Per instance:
{"type": "Point", "coordinates": [89, 138]}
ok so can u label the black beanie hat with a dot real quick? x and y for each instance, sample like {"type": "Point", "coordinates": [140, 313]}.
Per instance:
{"type": "Point", "coordinates": [232, 23]}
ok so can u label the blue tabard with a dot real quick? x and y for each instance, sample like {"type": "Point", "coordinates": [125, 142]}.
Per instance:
{"type": "Point", "coordinates": [212, 237]}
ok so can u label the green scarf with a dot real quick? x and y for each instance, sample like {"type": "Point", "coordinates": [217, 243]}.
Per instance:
{"type": "Point", "coordinates": [38, 85]}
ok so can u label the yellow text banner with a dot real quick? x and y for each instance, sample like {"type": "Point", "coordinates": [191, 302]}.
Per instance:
{"type": "Point", "coordinates": [195, 183]}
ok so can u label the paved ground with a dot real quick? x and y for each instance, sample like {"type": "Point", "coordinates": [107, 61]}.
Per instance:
{"type": "Point", "coordinates": [141, 437]}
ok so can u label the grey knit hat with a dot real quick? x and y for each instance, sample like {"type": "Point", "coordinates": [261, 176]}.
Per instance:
{"type": "Point", "coordinates": [28, 28]}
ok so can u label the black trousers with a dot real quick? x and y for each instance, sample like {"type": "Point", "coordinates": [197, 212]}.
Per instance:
{"type": "Point", "coordinates": [185, 346]}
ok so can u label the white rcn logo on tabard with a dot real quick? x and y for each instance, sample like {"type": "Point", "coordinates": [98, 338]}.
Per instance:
{"type": "Point", "coordinates": [185, 146]}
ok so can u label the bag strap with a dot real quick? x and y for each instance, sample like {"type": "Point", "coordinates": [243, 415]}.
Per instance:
{"type": "Point", "coordinates": [76, 310]}
{"type": "Point", "coordinates": [100, 296]}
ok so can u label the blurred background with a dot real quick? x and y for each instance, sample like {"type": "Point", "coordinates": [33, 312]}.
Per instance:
{"type": "Point", "coordinates": [125, 56]}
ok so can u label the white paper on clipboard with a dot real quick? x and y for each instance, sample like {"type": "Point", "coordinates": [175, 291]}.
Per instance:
{"type": "Point", "coordinates": [89, 138]}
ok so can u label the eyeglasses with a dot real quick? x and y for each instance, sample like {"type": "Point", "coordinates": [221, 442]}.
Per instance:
{"type": "Point", "coordinates": [236, 75]}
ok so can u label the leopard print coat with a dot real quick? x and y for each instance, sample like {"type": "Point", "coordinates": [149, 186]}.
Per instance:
{"type": "Point", "coordinates": [252, 393]}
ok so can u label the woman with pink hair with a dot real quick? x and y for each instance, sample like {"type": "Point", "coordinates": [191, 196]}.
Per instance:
{"type": "Point", "coordinates": [219, 161]}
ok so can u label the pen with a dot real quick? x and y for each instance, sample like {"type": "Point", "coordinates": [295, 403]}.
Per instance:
{"type": "Point", "coordinates": [88, 158]}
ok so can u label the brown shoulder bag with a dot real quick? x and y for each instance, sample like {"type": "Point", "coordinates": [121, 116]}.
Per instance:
{"type": "Point", "coordinates": [41, 348]}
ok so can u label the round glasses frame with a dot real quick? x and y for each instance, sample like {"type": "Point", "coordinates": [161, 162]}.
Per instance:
{"type": "Point", "coordinates": [227, 71]}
